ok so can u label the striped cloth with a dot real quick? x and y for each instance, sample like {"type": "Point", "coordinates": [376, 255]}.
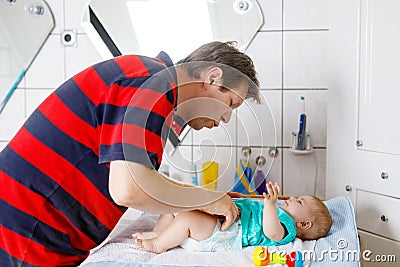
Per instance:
{"type": "Point", "coordinates": [54, 200]}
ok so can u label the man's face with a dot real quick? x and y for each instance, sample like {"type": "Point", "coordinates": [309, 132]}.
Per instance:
{"type": "Point", "coordinates": [216, 106]}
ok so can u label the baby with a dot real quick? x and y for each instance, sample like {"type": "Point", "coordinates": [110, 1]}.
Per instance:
{"type": "Point", "coordinates": [259, 225]}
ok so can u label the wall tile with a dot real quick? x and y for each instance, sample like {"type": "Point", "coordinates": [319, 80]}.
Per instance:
{"type": "Point", "coordinates": [13, 115]}
{"type": "Point", "coordinates": [272, 12]}
{"type": "Point", "coordinates": [226, 158]}
{"type": "Point", "coordinates": [256, 125]}
{"type": "Point", "coordinates": [305, 14]}
{"type": "Point", "coordinates": [73, 14]}
{"type": "Point", "coordinates": [47, 70]}
{"type": "Point", "coordinates": [272, 168]}
{"type": "Point", "coordinates": [34, 97]}
{"type": "Point", "coordinates": [305, 59]}
{"type": "Point", "coordinates": [266, 52]}
{"type": "Point", "coordinates": [57, 8]}
{"type": "Point", "coordinates": [3, 145]}
{"type": "Point", "coordinates": [300, 172]}
{"type": "Point", "coordinates": [80, 56]}
{"type": "Point", "coordinates": [224, 134]}
{"type": "Point", "coordinates": [316, 102]}
{"type": "Point", "coordinates": [179, 164]}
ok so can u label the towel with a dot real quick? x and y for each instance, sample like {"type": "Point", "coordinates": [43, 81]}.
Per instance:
{"type": "Point", "coordinates": [243, 182]}
{"type": "Point", "coordinates": [121, 251]}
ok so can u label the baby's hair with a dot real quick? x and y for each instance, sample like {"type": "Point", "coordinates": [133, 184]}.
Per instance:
{"type": "Point", "coordinates": [321, 221]}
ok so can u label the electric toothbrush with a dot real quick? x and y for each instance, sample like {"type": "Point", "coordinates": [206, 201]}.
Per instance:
{"type": "Point", "coordinates": [301, 138]}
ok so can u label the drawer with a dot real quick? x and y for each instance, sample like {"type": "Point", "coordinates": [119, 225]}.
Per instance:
{"type": "Point", "coordinates": [378, 251]}
{"type": "Point", "coordinates": [378, 214]}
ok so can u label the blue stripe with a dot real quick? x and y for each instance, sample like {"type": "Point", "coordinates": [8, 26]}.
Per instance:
{"type": "Point", "coordinates": [8, 260]}
{"type": "Point", "coordinates": [145, 119]}
{"type": "Point", "coordinates": [31, 228]}
{"type": "Point", "coordinates": [77, 101]}
{"type": "Point", "coordinates": [23, 172]}
{"type": "Point", "coordinates": [109, 71]}
{"type": "Point", "coordinates": [130, 153]}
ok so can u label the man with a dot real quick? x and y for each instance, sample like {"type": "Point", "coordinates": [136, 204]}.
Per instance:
{"type": "Point", "coordinates": [94, 146]}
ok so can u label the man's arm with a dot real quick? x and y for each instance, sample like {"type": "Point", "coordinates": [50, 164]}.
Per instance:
{"type": "Point", "coordinates": [272, 227]}
{"type": "Point", "coordinates": [140, 187]}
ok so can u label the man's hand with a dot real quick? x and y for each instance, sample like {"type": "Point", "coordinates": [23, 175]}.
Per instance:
{"type": "Point", "coordinates": [223, 207]}
{"type": "Point", "coordinates": [273, 193]}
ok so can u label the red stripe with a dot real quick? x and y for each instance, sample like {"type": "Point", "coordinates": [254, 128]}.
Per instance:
{"type": "Point", "coordinates": [132, 66]}
{"type": "Point", "coordinates": [133, 135]}
{"type": "Point", "coordinates": [69, 122]}
{"type": "Point", "coordinates": [21, 198]}
{"type": "Point", "coordinates": [91, 84]}
{"type": "Point", "coordinates": [37, 253]}
{"type": "Point", "coordinates": [75, 183]}
{"type": "Point", "coordinates": [152, 100]}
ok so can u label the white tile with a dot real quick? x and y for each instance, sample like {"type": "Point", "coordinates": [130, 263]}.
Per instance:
{"type": "Point", "coordinates": [272, 169]}
{"type": "Point", "coordinates": [179, 165]}
{"type": "Point", "coordinates": [303, 173]}
{"type": "Point", "coordinates": [272, 12]}
{"type": "Point", "coordinates": [34, 97]}
{"type": "Point", "coordinates": [13, 115]}
{"type": "Point", "coordinates": [305, 62]}
{"type": "Point", "coordinates": [266, 52]}
{"type": "Point", "coordinates": [73, 14]}
{"type": "Point", "coordinates": [47, 70]}
{"type": "Point", "coordinates": [57, 8]}
{"type": "Point", "coordinates": [224, 134]}
{"type": "Point", "coordinates": [305, 14]}
{"type": "Point", "coordinates": [260, 124]}
{"type": "Point", "coordinates": [80, 56]}
{"type": "Point", "coordinates": [3, 145]}
{"type": "Point", "coordinates": [224, 156]}
{"type": "Point", "coordinates": [316, 102]}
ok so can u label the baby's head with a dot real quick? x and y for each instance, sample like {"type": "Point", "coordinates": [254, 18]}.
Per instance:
{"type": "Point", "coordinates": [310, 215]}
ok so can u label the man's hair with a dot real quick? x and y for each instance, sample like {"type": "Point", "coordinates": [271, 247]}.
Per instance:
{"type": "Point", "coordinates": [237, 67]}
{"type": "Point", "coordinates": [321, 221]}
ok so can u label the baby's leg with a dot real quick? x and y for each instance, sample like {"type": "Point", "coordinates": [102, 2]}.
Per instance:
{"type": "Point", "coordinates": [163, 221]}
{"type": "Point", "coordinates": [196, 224]}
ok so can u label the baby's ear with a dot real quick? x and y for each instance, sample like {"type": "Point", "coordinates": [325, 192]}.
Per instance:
{"type": "Point", "coordinates": [304, 225]}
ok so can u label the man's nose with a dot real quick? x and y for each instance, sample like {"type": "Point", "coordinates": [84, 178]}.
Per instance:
{"type": "Point", "coordinates": [226, 117]}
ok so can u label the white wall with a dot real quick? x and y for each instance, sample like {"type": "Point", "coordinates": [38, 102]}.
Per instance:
{"type": "Point", "coordinates": [289, 52]}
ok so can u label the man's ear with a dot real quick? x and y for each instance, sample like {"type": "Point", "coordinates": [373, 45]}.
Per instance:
{"type": "Point", "coordinates": [304, 225]}
{"type": "Point", "coordinates": [213, 77]}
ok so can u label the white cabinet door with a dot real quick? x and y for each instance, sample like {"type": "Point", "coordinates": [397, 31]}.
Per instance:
{"type": "Point", "coordinates": [379, 84]}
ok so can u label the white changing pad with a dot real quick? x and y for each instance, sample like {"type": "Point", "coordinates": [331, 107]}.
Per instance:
{"type": "Point", "coordinates": [121, 250]}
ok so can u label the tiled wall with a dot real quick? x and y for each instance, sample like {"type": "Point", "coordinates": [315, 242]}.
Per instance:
{"type": "Point", "coordinates": [289, 52]}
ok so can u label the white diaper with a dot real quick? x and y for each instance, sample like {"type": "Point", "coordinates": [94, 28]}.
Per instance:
{"type": "Point", "coordinates": [230, 239]}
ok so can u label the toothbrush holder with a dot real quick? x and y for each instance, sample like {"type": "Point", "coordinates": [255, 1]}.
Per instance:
{"type": "Point", "coordinates": [308, 148]}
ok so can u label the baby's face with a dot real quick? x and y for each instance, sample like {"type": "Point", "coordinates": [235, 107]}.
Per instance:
{"type": "Point", "coordinates": [299, 208]}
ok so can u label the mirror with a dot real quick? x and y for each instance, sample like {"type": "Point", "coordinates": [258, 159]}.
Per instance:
{"type": "Point", "coordinates": [24, 27]}
{"type": "Point", "coordinates": [177, 27]}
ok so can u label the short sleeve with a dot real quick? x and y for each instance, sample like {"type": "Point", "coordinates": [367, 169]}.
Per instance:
{"type": "Point", "coordinates": [135, 119]}
{"type": "Point", "coordinates": [290, 227]}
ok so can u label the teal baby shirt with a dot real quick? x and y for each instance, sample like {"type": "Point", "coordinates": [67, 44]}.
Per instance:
{"type": "Point", "coordinates": [251, 219]}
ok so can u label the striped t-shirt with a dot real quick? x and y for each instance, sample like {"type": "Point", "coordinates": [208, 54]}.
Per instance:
{"type": "Point", "coordinates": [54, 199]}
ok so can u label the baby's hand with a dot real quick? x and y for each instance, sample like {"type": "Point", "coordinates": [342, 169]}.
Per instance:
{"type": "Point", "coordinates": [273, 193]}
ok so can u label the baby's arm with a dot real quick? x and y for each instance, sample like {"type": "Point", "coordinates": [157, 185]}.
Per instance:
{"type": "Point", "coordinates": [272, 227]}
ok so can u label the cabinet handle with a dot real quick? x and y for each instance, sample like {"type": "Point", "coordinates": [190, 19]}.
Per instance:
{"type": "Point", "coordinates": [384, 218]}
{"type": "Point", "coordinates": [384, 175]}
{"type": "Point", "coordinates": [348, 188]}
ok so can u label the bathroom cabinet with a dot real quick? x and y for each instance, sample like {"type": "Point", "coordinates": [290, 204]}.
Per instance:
{"type": "Point", "coordinates": [363, 145]}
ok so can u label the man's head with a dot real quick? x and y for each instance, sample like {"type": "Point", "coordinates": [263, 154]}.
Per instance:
{"type": "Point", "coordinates": [228, 77]}
{"type": "Point", "coordinates": [310, 215]}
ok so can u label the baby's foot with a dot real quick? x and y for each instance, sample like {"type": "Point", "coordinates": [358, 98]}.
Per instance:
{"type": "Point", "coordinates": [144, 235]}
{"type": "Point", "coordinates": [150, 245]}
